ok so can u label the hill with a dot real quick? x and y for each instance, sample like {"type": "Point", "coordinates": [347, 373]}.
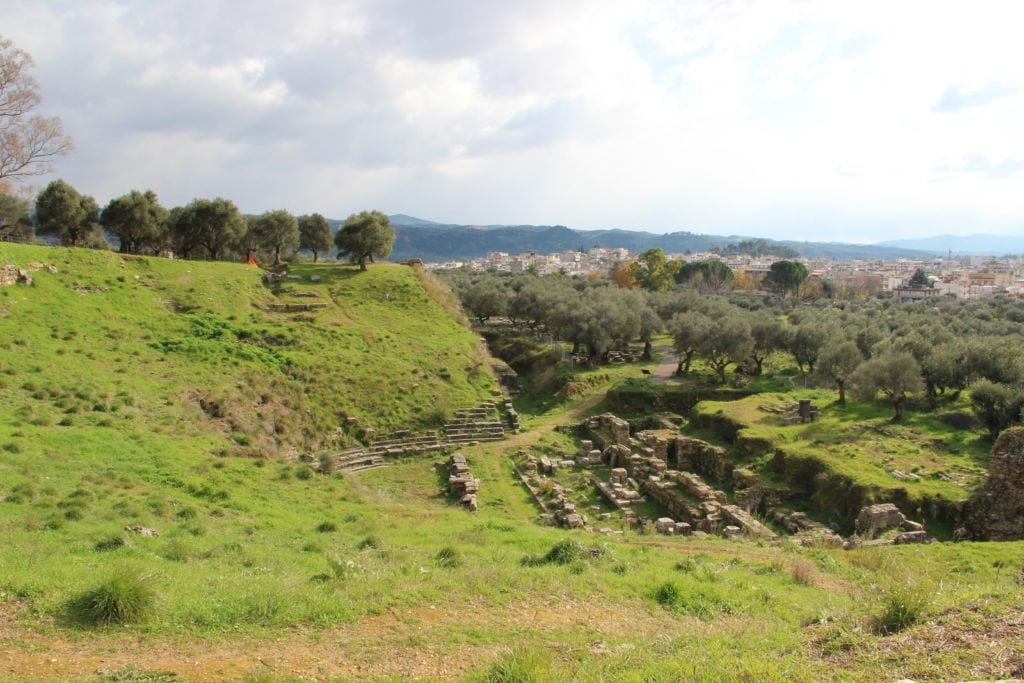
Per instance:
{"type": "Point", "coordinates": [963, 245]}
{"type": "Point", "coordinates": [416, 238]}
{"type": "Point", "coordinates": [218, 363]}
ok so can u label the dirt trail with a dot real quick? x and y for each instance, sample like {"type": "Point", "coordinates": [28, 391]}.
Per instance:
{"type": "Point", "coordinates": [666, 370]}
{"type": "Point", "coordinates": [383, 646]}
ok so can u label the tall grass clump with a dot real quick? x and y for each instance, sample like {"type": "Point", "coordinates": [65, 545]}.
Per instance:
{"type": "Point", "coordinates": [562, 553]}
{"type": "Point", "coordinates": [124, 598]}
{"type": "Point", "coordinates": [520, 666]}
{"type": "Point", "coordinates": [448, 557]}
{"type": "Point", "coordinates": [902, 605]}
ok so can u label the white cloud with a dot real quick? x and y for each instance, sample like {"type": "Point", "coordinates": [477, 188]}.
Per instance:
{"type": "Point", "coordinates": [770, 118]}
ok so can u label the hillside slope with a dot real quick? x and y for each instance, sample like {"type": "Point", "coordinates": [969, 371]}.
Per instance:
{"type": "Point", "coordinates": [107, 346]}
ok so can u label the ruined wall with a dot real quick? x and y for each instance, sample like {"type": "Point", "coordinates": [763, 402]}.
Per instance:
{"type": "Point", "coordinates": [996, 512]}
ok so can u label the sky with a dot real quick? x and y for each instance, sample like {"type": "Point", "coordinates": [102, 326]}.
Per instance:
{"type": "Point", "coordinates": [825, 121]}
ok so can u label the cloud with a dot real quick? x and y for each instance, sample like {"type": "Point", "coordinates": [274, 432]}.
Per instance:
{"type": "Point", "coordinates": [736, 117]}
{"type": "Point", "coordinates": [957, 98]}
{"type": "Point", "coordinates": [979, 164]}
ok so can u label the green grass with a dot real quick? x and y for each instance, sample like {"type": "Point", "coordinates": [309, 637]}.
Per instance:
{"type": "Point", "coordinates": [378, 568]}
{"type": "Point", "coordinates": [919, 459]}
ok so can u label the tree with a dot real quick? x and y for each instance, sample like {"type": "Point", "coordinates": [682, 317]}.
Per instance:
{"type": "Point", "coordinates": [212, 224]}
{"type": "Point", "coordinates": [786, 276]}
{"type": "Point", "coordinates": [727, 342]}
{"type": "Point", "coordinates": [28, 142]}
{"type": "Point", "coordinates": [485, 299]}
{"type": "Point", "coordinates": [805, 341]}
{"type": "Point", "coordinates": [710, 277]}
{"type": "Point", "coordinates": [71, 217]}
{"type": "Point", "coordinates": [364, 236]}
{"type": "Point", "coordinates": [15, 221]}
{"type": "Point", "coordinates": [836, 362]}
{"type": "Point", "coordinates": [769, 335]}
{"type": "Point", "coordinates": [276, 231]}
{"type": "Point", "coordinates": [920, 279]}
{"type": "Point", "coordinates": [653, 271]}
{"type": "Point", "coordinates": [687, 330]}
{"type": "Point", "coordinates": [996, 405]}
{"type": "Point", "coordinates": [894, 373]}
{"type": "Point", "coordinates": [314, 234]}
{"type": "Point", "coordinates": [137, 219]}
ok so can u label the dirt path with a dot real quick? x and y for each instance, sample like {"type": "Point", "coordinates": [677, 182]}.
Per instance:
{"type": "Point", "coordinates": [666, 370]}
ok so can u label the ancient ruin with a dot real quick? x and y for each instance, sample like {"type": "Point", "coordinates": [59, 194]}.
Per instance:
{"type": "Point", "coordinates": [663, 466]}
{"type": "Point", "coordinates": [996, 512]}
{"type": "Point", "coordinates": [467, 427]}
{"type": "Point", "coordinates": [461, 483]}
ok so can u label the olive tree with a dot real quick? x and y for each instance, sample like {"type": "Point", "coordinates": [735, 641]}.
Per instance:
{"type": "Point", "coordinates": [314, 234]}
{"type": "Point", "coordinates": [836, 362]}
{"type": "Point", "coordinates": [72, 217]}
{"type": "Point", "coordinates": [364, 236]}
{"type": "Point", "coordinates": [894, 373]}
{"type": "Point", "coordinates": [137, 220]}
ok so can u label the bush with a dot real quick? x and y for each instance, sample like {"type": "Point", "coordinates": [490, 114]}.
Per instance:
{"type": "Point", "coordinates": [326, 527]}
{"type": "Point", "coordinates": [303, 473]}
{"type": "Point", "coordinates": [564, 552]}
{"type": "Point", "coordinates": [368, 543]}
{"type": "Point", "coordinates": [124, 598]}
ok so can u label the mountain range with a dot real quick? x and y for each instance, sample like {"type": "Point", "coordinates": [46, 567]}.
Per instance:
{"type": "Point", "coordinates": [438, 242]}
{"type": "Point", "coordinates": [433, 242]}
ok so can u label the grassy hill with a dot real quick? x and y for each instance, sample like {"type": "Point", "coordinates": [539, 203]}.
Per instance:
{"type": "Point", "coordinates": [113, 346]}
{"type": "Point", "coordinates": [125, 382]}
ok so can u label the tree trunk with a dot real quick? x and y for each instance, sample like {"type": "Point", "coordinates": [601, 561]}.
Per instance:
{"type": "Point", "coordinates": [679, 367]}
{"type": "Point", "coordinates": [362, 263]}
{"type": "Point", "coordinates": [646, 355]}
{"type": "Point", "coordinates": [842, 393]}
{"type": "Point", "coordinates": [689, 360]}
{"type": "Point", "coordinates": [277, 255]}
{"type": "Point", "coordinates": [315, 255]}
{"type": "Point", "coordinates": [897, 403]}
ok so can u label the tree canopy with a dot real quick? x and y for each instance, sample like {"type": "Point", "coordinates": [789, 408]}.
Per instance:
{"type": "Point", "coordinates": [276, 231]}
{"type": "Point", "coordinates": [72, 217]}
{"type": "Point", "coordinates": [786, 276]}
{"type": "Point", "coordinates": [314, 234]}
{"type": "Point", "coordinates": [28, 142]}
{"type": "Point", "coordinates": [15, 221]}
{"type": "Point", "coordinates": [138, 220]}
{"type": "Point", "coordinates": [364, 236]}
{"type": "Point", "coordinates": [215, 225]}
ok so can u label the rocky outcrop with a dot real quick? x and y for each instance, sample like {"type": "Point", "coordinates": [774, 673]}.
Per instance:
{"type": "Point", "coordinates": [996, 512]}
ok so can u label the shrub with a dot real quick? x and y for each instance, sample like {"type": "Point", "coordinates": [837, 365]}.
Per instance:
{"type": "Point", "coordinates": [124, 598]}
{"type": "Point", "coordinates": [326, 527]}
{"type": "Point", "coordinates": [448, 557]}
{"type": "Point", "coordinates": [303, 473]}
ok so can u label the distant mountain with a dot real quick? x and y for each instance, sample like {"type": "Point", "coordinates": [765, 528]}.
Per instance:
{"type": "Point", "coordinates": [409, 220]}
{"type": "Point", "coordinates": [418, 238]}
{"type": "Point", "coordinates": [964, 245]}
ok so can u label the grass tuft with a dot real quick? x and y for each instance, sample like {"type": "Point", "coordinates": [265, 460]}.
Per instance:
{"type": "Point", "coordinates": [124, 598]}
{"type": "Point", "coordinates": [902, 605]}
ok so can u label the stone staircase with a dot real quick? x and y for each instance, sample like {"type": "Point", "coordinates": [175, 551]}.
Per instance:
{"type": "Point", "coordinates": [469, 425]}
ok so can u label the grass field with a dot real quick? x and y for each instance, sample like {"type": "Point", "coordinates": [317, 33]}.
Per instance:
{"type": "Point", "coordinates": [265, 570]}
